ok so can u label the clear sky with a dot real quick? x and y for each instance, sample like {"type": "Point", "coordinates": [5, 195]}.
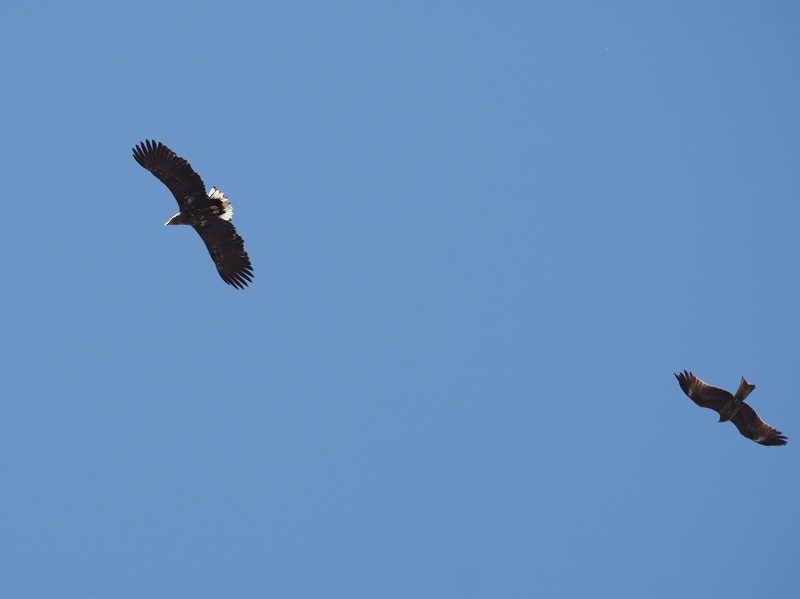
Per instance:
{"type": "Point", "coordinates": [485, 235]}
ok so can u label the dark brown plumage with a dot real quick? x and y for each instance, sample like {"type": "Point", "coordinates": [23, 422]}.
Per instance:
{"type": "Point", "coordinates": [208, 213]}
{"type": "Point", "coordinates": [731, 407]}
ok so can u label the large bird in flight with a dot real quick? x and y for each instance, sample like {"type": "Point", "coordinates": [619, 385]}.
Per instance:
{"type": "Point", "coordinates": [209, 213]}
{"type": "Point", "coordinates": [731, 407]}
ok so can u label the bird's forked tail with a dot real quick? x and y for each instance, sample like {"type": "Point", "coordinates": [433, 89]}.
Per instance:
{"type": "Point", "coordinates": [743, 391]}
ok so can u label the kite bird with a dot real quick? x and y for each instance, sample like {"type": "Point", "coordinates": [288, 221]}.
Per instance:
{"type": "Point", "coordinates": [731, 407]}
{"type": "Point", "coordinates": [209, 213]}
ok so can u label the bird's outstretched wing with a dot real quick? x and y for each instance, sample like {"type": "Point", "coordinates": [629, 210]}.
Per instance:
{"type": "Point", "coordinates": [703, 394]}
{"type": "Point", "coordinates": [227, 250]}
{"type": "Point", "coordinates": [751, 426]}
{"type": "Point", "coordinates": [172, 170]}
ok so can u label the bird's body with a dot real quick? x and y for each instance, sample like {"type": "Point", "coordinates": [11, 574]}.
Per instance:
{"type": "Point", "coordinates": [731, 408]}
{"type": "Point", "coordinates": [209, 213]}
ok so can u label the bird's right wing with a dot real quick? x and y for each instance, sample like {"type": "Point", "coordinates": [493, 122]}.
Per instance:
{"type": "Point", "coordinates": [751, 426]}
{"type": "Point", "coordinates": [227, 250]}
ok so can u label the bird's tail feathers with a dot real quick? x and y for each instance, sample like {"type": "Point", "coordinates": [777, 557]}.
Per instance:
{"type": "Point", "coordinates": [744, 390]}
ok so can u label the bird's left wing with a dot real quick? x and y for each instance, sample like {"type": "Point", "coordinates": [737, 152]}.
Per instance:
{"type": "Point", "coordinates": [703, 394]}
{"type": "Point", "coordinates": [172, 170]}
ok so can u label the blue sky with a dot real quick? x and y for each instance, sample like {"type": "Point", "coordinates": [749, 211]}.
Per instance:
{"type": "Point", "coordinates": [485, 236]}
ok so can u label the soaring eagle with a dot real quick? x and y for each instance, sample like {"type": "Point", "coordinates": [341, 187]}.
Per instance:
{"type": "Point", "coordinates": [209, 213]}
{"type": "Point", "coordinates": [731, 407]}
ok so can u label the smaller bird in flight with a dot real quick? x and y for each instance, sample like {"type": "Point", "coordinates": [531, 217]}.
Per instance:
{"type": "Point", "coordinates": [209, 213]}
{"type": "Point", "coordinates": [731, 407]}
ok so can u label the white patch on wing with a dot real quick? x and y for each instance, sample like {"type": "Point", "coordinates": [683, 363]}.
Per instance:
{"type": "Point", "coordinates": [227, 208]}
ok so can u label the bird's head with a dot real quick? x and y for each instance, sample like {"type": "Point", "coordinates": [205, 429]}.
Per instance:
{"type": "Point", "coordinates": [176, 220]}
